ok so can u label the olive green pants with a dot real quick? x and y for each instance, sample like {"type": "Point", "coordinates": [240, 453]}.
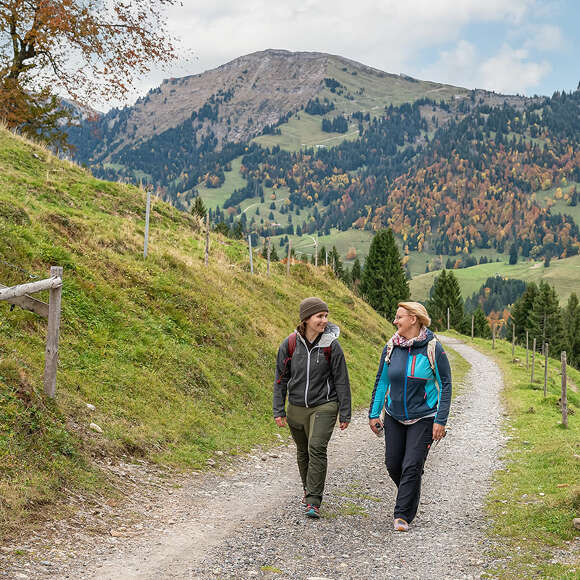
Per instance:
{"type": "Point", "coordinates": [311, 430]}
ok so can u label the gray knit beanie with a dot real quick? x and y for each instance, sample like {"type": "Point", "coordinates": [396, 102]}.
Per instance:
{"type": "Point", "coordinates": [310, 306]}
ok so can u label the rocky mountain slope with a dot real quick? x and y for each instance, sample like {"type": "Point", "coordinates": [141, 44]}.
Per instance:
{"type": "Point", "coordinates": [237, 100]}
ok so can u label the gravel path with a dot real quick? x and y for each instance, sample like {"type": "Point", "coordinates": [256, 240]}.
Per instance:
{"type": "Point", "coordinates": [247, 522]}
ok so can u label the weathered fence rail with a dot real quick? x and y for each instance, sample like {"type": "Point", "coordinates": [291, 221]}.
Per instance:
{"type": "Point", "coordinates": [19, 296]}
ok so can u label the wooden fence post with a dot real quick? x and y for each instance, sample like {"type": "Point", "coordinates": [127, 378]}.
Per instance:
{"type": "Point", "coordinates": [564, 397]}
{"type": "Point", "coordinates": [289, 254]}
{"type": "Point", "coordinates": [251, 257]}
{"type": "Point", "coordinates": [546, 348]}
{"type": "Point", "coordinates": [448, 318]}
{"type": "Point", "coordinates": [316, 253]}
{"type": "Point", "coordinates": [327, 257]}
{"type": "Point", "coordinates": [51, 353]}
{"type": "Point", "coordinates": [533, 360]}
{"type": "Point", "coordinates": [147, 214]}
{"type": "Point", "coordinates": [269, 249]}
{"type": "Point", "coordinates": [513, 341]}
{"type": "Point", "coordinates": [206, 258]}
{"type": "Point", "coordinates": [472, 319]}
{"type": "Point", "coordinates": [527, 352]}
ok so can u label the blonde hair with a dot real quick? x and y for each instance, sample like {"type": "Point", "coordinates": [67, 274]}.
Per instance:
{"type": "Point", "coordinates": [418, 310]}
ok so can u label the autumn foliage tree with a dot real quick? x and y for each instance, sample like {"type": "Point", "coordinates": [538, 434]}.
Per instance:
{"type": "Point", "coordinates": [74, 48]}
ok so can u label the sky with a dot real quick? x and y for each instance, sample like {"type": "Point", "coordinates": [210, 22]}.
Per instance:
{"type": "Point", "coordinates": [510, 46]}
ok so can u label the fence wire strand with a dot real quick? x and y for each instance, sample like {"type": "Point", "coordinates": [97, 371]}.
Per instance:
{"type": "Point", "coordinates": [20, 269]}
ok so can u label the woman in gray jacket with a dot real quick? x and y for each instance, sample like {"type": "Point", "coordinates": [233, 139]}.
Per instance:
{"type": "Point", "coordinates": [311, 371]}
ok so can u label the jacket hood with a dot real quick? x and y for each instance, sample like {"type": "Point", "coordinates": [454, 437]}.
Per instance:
{"type": "Point", "coordinates": [330, 334]}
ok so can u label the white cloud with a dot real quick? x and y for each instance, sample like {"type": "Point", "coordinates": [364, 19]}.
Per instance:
{"type": "Point", "coordinates": [546, 38]}
{"type": "Point", "coordinates": [455, 67]}
{"type": "Point", "coordinates": [387, 34]}
{"type": "Point", "coordinates": [510, 71]}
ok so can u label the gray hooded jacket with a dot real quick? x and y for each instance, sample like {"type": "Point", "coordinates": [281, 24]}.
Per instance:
{"type": "Point", "coordinates": [309, 380]}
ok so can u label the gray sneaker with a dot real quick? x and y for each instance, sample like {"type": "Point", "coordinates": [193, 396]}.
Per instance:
{"type": "Point", "coordinates": [400, 525]}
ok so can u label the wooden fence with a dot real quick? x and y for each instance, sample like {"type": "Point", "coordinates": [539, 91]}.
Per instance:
{"type": "Point", "coordinates": [545, 352]}
{"type": "Point", "coordinates": [19, 296]}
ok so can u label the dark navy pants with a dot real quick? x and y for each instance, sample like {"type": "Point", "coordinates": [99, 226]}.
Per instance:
{"type": "Point", "coordinates": [406, 449]}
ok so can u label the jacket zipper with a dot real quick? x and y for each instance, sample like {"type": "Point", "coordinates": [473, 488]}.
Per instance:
{"type": "Point", "coordinates": [307, 379]}
{"type": "Point", "coordinates": [405, 391]}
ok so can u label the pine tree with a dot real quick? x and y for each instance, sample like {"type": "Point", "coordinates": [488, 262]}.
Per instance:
{"type": "Point", "coordinates": [198, 207]}
{"type": "Point", "coordinates": [356, 273]}
{"type": "Point", "coordinates": [571, 321]}
{"type": "Point", "coordinates": [444, 294]}
{"type": "Point", "coordinates": [513, 254]}
{"type": "Point", "coordinates": [546, 320]}
{"type": "Point", "coordinates": [274, 254]}
{"type": "Point", "coordinates": [481, 324]}
{"type": "Point", "coordinates": [383, 282]}
{"type": "Point", "coordinates": [335, 263]}
{"type": "Point", "coordinates": [455, 301]}
{"type": "Point", "coordinates": [521, 312]}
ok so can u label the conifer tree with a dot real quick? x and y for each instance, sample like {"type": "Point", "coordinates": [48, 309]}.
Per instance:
{"type": "Point", "coordinates": [481, 324]}
{"type": "Point", "coordinates": [383, 282]}
{"type": "Point", "coordinates": [521, 312]}
{"type": "Point", "coordinates": [513, 254]}
{"type": "Point", "coordinates": [444, 294]}
{"type": "Point", "coordinates": [335, 263]}
{"type": "Point", "coordinates": [356, 273]}
{"type": "Point", "coordinates": [571, 320]}
{"type": "Point", "coordinates": [546, 321]}
{"type": "Point", "coordinates": [198, 207]}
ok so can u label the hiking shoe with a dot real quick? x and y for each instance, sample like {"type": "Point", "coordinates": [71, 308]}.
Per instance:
{"type": "Point", "coordinates": [303, 500]}
{"type": "Point", "coordinates": [312, 511]}
{"type": "Point", "coordinates": [400, 525]}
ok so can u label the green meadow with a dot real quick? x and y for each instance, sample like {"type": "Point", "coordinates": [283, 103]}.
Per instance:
{"type": "Point", "coordinates": [563, 274]}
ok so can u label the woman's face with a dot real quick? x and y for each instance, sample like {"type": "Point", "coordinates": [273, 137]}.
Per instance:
{"type": "Point", "coordinates": [405, 322]}
{"type": "Point", "coordinates": [317, 322]}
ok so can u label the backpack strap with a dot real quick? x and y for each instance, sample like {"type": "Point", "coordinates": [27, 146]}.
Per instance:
{"type": "Point", "coordinates": [431, 346]}
{"type": "Point", "coordinates": [291, 349]}
{"type": "Point", "coordinates": [390, 347]}
{"type": "Point", "coordinates": [291, 345]}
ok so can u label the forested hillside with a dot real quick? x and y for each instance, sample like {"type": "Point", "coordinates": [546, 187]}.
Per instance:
{"type": "Point", "coordinates": [472, 184]}
{"type": "Point", "coordinates": [450, 171]}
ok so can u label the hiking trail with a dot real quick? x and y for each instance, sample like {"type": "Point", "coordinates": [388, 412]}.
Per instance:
{"type": "Point", "coordinates": [247, 521]}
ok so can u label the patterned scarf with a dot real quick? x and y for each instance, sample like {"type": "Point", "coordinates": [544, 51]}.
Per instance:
{"type": "Point", "coordinates": [399, 340]}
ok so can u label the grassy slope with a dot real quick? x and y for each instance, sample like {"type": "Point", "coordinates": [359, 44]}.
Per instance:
{"type": "Point", "coordinates": [176, 357]}
{"type": "Point", "coordinates": [368, 92]}
{"type": "Point", "coordinates": [562, 274]}
{"type": "Point", "coordinates": [537, 494]}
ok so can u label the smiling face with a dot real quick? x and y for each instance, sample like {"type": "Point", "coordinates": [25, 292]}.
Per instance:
{"type": "Point", "coordinates": [407, 324]}
{"type": "Point", "coordinates": [316, 323]}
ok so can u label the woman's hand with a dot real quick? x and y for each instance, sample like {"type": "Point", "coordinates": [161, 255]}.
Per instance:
{"type": "Point", "coordinates": [343, 425]}
{"type": "Point", "coordinates": [375, 425]}
{"type": "Point", "coordinates": [438, 432]}
{"type": "Point", "coordinates": [280, 421]}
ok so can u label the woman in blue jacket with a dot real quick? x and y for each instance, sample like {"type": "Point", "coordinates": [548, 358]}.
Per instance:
{"type": "Point", "coordinates": [413, 385]}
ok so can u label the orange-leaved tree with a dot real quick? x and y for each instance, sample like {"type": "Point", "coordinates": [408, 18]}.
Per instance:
{"type": "Point", "coordinates": [80, 49]}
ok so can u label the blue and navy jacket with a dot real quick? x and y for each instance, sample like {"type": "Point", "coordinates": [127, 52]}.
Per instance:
{"type": "Point", "coordinates": [408, 387]}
